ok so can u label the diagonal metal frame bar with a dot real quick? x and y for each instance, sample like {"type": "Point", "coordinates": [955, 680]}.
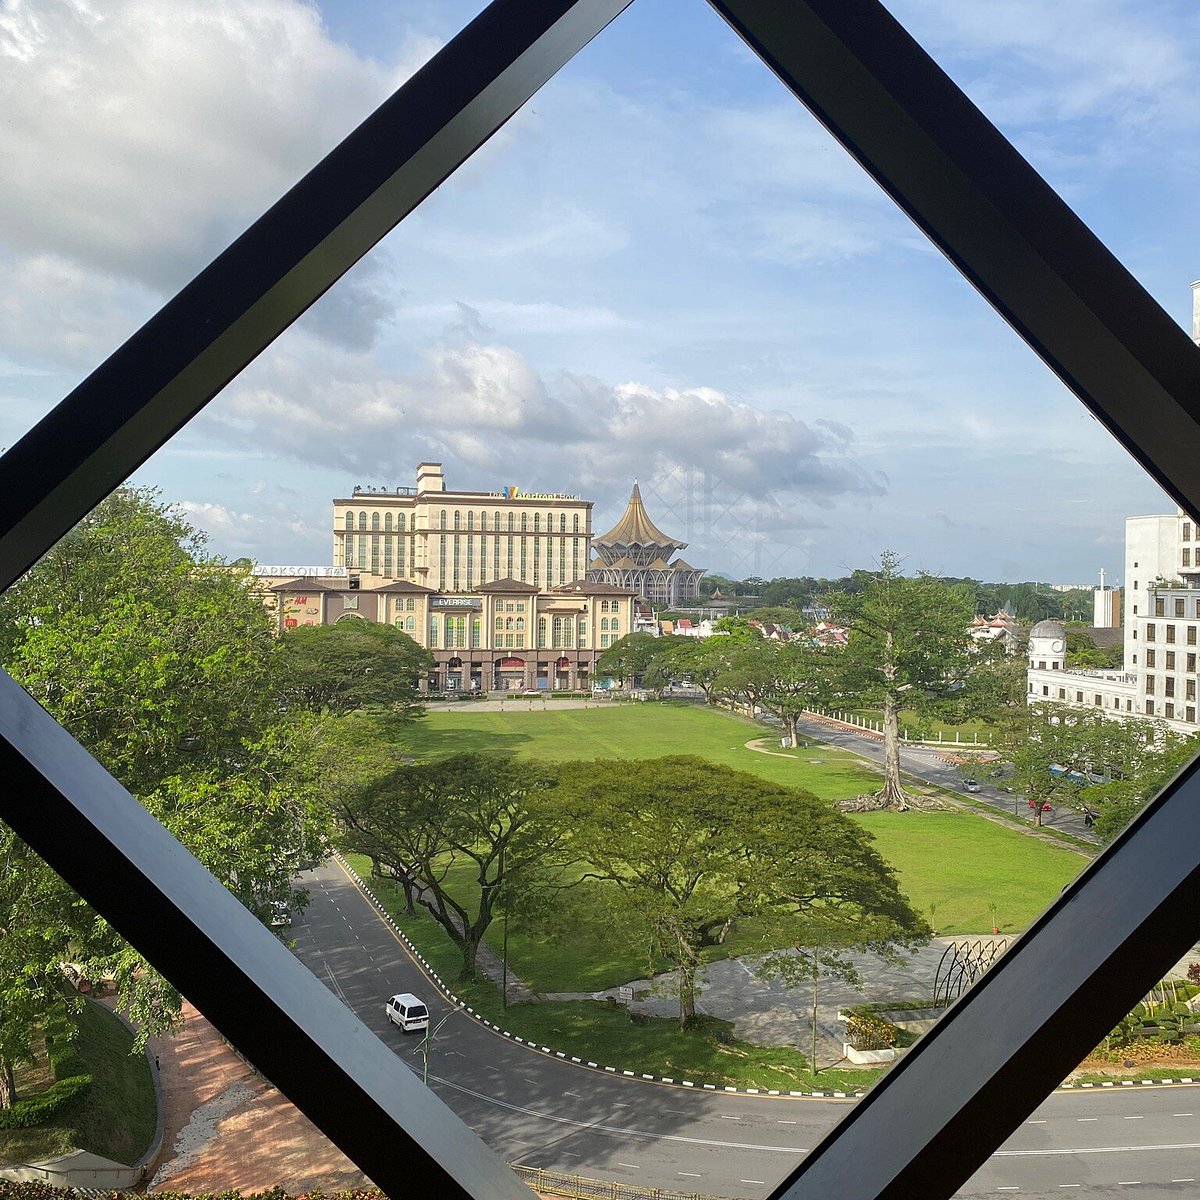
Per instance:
{"type": "Point", "coordinates": [260, 996]}
{"type": "Point", "coordinates": [944, 163]}
{"type": "Point", "coordinates": [158, 380]}
{"type": "Point", "coordinates": [990, 1061]}
{"type": "Point", "coordinates": [58, 798]}
{"type": "Point", "coordinates": [996, 220]}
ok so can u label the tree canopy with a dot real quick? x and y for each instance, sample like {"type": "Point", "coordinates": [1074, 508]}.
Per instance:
{"type": "Point", "coordinates": [162, 662]}
{"type": "Point", "coordinates": [423, 824]}
{"type": "Point", "coordinates": [908, 643]}
{"type": "Point", "coordinates": [686, 847]}
{"type": "Point", "coordinates": [353, 664]}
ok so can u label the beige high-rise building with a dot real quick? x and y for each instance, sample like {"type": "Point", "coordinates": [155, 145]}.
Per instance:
{"type": "Point", "coordinates": [454, 541]}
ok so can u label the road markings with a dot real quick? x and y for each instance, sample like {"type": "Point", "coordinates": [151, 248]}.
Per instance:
{"type": "Point", "coordinates": [1062, 1185]}
{"type": "Point", "coordinates": [631, 1166]}
{"type": "Point", "coordinates": [615, 1130]}
{"type": "Point", "coordinates": [1048, 1150]}
{"type": "Point", "coordinates": [1128, 1182]}
{"type": "Point", "coordinates": [1035, 1122]}
{"type": "Point", "coordinates": [763, 1181]}
{"type": "Point", "coordinates": [785, 1122]}
{"type": "Point", "coordinates": [1009, 1188]}
{"type": "Point", "coordinates": [1134, 1118]}
{"type": "Point", "coordinates": [1183, 1114]}
{"type": "Point", "coordinates": [575, 1094]}
{"type": "Point", "coordinates": [1082, 1120]}
{"type": "Point", "coordinates": [690, 1174]}
{"type": "Point", "coordinates": [1183, 1181]}
{"type": "Point", "coordinates": [727, 1117]}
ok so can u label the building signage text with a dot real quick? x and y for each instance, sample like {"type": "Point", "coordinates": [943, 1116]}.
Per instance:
{"type": "Point", "coordinates": [298, 572]}
{"type": "Point", "coordinates": [515, 493]}
{"type": "Point", "coordinates": [456, 602]}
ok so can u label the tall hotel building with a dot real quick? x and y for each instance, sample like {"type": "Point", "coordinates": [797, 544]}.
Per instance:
{"type": "Point", "coordinates": [494, 584]}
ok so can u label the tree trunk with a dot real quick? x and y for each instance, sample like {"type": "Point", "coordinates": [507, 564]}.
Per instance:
{"type": "Point", "coordinates": [469, 946]}
{"type": "Point", "coordinates": [8, 1087]}
{"type": "Point", "coordinates": [687, 995]}
{"type": "Point", "coordinates": [813, 1063]}
{"type": "Point", "coordinates": [892, 792]}
{"type": "Point", "coordinates": [892, 795]}
{"type": "Point", "coordinates": [789, 725]}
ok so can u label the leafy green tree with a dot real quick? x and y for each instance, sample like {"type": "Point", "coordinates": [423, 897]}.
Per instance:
{"type": "Point", "coordinates": [784, 678]}
{"type": "Point", "coordinates": [162, 662]}
{"type": "Point", "coordinates": [908, 644]}
{"type": "Point", "coordinates": [40, 919]}
{"type": "Point", "coordinates": [353, 664]}
{"type": "Point", "coordinates": [628, 658]}
{"type": "Point", "coordinates": [686, 847]}
{"type": "Point", "coordinates": [422, 824]}
{"type": "Point", "coordinates": [702, 660]}
{"type": "Point", "coordinates": [821, 949]}
{"type": "Point", "coordinates": [1079, 758]}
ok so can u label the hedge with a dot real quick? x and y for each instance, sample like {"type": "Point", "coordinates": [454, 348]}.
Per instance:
{"type": "Point", "coordinates": [70, 1075]}
{"type": "Point", "coordinates": [46, 1106]}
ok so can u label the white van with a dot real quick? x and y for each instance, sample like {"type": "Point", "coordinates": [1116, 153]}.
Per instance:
{"type": "Point", "coordinates": [405, 1010]}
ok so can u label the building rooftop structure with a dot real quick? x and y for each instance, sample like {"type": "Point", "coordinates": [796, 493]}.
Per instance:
{"type": "Point", "coordinates": [636, 554]}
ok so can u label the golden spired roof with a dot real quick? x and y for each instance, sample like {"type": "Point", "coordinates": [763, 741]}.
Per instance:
{"type": "Point", "coordinates": [635, 528]}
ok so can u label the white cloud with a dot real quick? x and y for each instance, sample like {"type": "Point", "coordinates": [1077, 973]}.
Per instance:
{"type": "Point", "coordinates": [139, 137]}
{"type": "Point", "coordinates": [486, 407]}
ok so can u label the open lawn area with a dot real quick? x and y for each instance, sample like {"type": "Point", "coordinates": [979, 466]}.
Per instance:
{"type": "Point", "coordinates": [952, 865]}
{"type": "Point", "coordinates": [638, 731]}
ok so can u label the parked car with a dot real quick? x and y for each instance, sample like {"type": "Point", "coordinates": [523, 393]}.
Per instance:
{"type": "Point", "coordinates": [1046, 806]}
{"type": "Point", "coordinates": [408, 1012]}
{"type": "Point", "coordinates": [970, 785]}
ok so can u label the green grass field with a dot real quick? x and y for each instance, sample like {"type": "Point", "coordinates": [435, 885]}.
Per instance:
{"type": "Point", "coordinates": [638, 731]}
{"type": "Point", "coordinates": [952, 865]}
{"type": "Point", "coordinates": [116, 1117]}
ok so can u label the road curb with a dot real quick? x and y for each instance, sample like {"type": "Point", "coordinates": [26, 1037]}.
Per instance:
{"type": "Point", "coordinates": [646, 1077]}
{"type": "Point", "coordinates": [549, 1051]}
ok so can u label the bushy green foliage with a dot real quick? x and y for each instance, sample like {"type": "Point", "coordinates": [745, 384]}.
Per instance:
{"type": "Point", "coordinates": [47, 1105]}
{"type": "Point", "coordinates": [865, 1031]}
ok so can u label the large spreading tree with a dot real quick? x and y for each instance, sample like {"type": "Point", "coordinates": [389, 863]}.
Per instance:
{"type": "Point", "coordinates": [354, 664]}
{"type": "Point", "coordinates": [485, 821]}
{"type": "Point", "coordinates": [782, 678]}
{"type": "Point", "coordinates": [908, 646]}
{"type": "Point", "coordinates": [684, 848]}
{"type": "Point", "coordinates": [162, 662]}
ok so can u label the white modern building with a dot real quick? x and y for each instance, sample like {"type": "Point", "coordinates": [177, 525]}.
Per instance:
{"type": "Point", "coordinates": [1161, 625]}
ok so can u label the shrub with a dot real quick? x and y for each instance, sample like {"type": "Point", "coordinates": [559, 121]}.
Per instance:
{"type": "Point", "coordinates": [45, 1107]}
{"type": "Point", "coordinates": [867, 1032]}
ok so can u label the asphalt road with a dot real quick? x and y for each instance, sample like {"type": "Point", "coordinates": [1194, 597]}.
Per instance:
{"type": "Point", "coordinates": [541, 1111]}
{"type": "Point", "coordinates": [930, 766]}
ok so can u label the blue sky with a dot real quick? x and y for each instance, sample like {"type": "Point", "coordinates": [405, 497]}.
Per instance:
{"type": "Point", "coordinates": [662, 268]}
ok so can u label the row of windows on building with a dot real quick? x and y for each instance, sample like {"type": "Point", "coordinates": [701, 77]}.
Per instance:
{"type": "Point", "coordinates": [461, 567]}
{"type": "Point", "coordinates": [1168, 633]}
{"type": "Point", "coordinates": [455, 521]}
{"type": "Point", "coordinates": [564, 633]}
{"type": "Point", "coordinates": [1170, 710]}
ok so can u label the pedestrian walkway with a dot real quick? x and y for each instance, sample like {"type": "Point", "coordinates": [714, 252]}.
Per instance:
{"type": "Point", "coordinates": [227, 1128]}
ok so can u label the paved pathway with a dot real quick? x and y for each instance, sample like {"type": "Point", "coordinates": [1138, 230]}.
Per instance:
{"type": "Point", "coordinates": [226, 1128]}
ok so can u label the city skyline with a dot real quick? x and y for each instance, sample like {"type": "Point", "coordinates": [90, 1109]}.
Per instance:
{"type": "Point", "coordinates": [661, 268]}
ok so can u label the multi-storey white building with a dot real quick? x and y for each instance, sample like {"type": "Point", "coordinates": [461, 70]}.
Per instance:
{"type": "Point", "coordinates": [452, 541]}
{"type": "Point", "coordinates": [1162, 629]}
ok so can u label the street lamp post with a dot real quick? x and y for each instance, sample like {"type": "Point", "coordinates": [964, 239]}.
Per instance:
{"type": "Point", "coordinates": [426, 1041]}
